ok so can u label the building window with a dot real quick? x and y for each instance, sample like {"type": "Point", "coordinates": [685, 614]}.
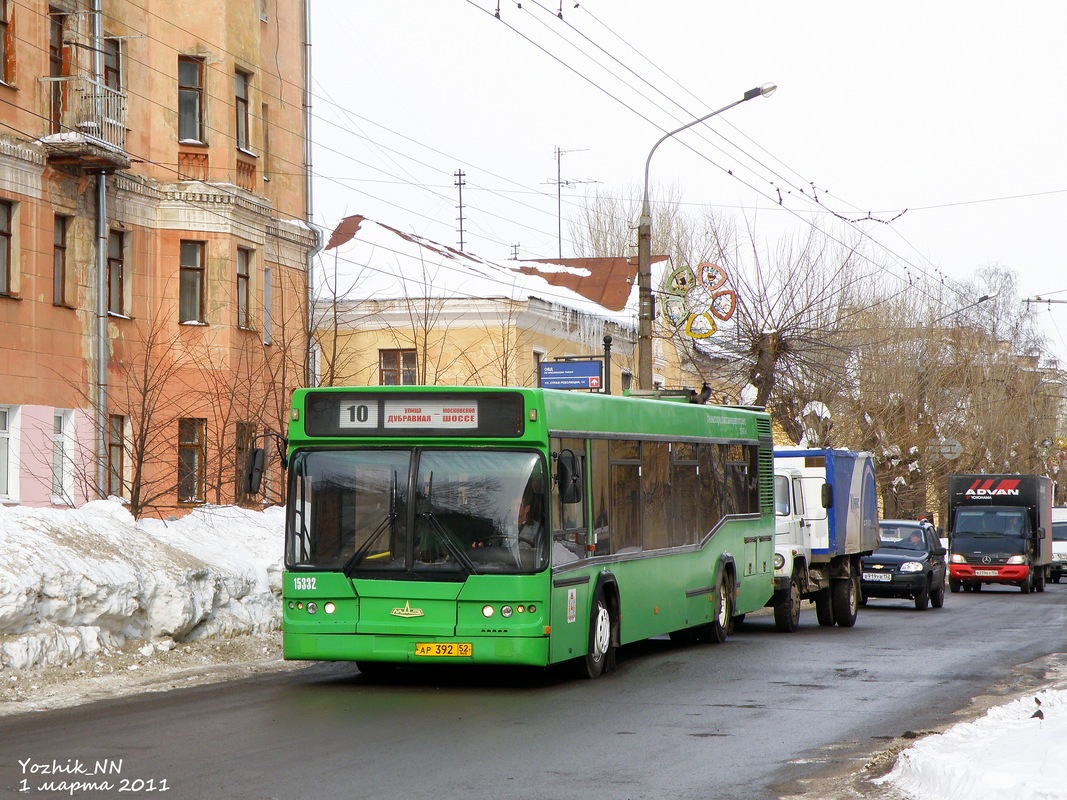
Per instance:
{"type": "Point", "coordinates": [190, 99]}
{"type": "Point", "coordinates": [268, 295]}
{"type": "Point", "coordinates": [264, 120]}
{"type": "Point", "coordinates": [5, 247]}
{"type": "Point", "coordinates": [243, 441]}
{"type": "Point", "coordinates": [59, 262]}
{"type": "Point", "coordinates": [191, 460]}
{"type": "Point", "coordinates": [191, 284]}
{"type": "Point", "coordinates": [396, 367]}
{"type": "Point", "coordinates": [113, 64]}
{"type": "Point", "coordinates": [5, 452]}
{"type": "Point", "coordinates": [244, 257]}
{"type": "Point", "coordinates": [116, 273]}
{"type": "Point", "coordinates": [56, 68]}
{"type": "Point", "coordinates": [116, 449]}
{"type": "Point", "coordinates": [262, 10]}
{"type": "Point", "coordinates": [6, 49]}
{"type": "Point", "coordinates": [241, 81]}
{"type": "Point", "coordinates": [626, 382]}
{"type": "Point", "coordinates": [538, 357]}
{"type": "Point", "coordinates": [62, 479]}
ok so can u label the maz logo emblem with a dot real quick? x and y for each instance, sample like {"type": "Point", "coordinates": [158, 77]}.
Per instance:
{"type": "Point", "coordinates": [406, 611]}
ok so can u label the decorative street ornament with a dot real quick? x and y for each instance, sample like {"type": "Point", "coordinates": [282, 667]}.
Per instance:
{"type": "Point", "coordinates": [697, 299]}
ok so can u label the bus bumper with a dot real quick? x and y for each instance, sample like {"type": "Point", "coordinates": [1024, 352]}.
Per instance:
{"type": "Point", "coordinates": [401, 649]}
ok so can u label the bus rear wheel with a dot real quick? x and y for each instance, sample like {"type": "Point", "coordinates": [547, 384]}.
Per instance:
{"type": "Point", "coordinates": [719, 626]}
{"type": "Point", "coordinates": [600, 645]}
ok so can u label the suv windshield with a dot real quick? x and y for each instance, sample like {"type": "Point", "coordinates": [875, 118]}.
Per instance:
{"type": "Point", "coordinates": [901, 537]}
{"type": "Point", "coordinates": [416, 513]}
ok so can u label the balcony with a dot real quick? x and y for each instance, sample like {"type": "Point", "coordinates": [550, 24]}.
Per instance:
{"type": "Point", "coordinates": [90, 123]}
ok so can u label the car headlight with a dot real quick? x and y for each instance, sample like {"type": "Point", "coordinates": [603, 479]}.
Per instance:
{"type": "Point", "coordinates": [956, 558]}
{"type": "Point", "coordinates": [1016, 560]}
{"type": "Point", "coordinates": [911, 566]}
{"type": "Point", "coordinates": [779, 561]}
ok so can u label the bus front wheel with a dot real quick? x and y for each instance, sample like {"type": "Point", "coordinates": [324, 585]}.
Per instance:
{"type": "Point", "coordinates": [599, 637]}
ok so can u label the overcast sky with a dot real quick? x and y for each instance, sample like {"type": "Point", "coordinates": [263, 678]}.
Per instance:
{"type": "Point", "coordinates": [949, 112]}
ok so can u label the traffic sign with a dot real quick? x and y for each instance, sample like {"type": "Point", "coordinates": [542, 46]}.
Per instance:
{"type": "Point", "coordinates": [585, 374]}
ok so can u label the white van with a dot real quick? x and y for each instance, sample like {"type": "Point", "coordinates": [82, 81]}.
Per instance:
{"type": "Point", "coordinates": [1058, 566]}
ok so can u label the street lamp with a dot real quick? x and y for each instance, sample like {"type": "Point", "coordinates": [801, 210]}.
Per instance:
{"type": "Point", "coordinates": [983, 299]}
{"type": "Point", "coordinates": [644, 248]}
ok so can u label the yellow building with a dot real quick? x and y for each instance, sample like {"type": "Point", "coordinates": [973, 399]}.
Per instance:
{"type": "Point", "coordinates": [153, 262]}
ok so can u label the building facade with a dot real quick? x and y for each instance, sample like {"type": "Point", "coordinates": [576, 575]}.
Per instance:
{"type": "Point", "coordinates": [153, 250]}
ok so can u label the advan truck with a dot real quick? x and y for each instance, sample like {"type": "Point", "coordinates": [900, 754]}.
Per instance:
{"type": "Point", "coordinates": [1000, 531]}
{"type": "Point", "coordinates": [826, 520]}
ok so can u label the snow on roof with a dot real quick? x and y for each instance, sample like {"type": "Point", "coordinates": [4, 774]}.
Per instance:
{"type": "Point", "coordinates": [379, 262]}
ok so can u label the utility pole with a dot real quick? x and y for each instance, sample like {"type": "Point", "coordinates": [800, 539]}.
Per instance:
{"type": "Point", "coordinates": [459, 182]}
{"type": "Point", "coordinates": [515, 252]}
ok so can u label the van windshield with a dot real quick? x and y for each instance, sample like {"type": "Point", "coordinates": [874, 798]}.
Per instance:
{"type": "Point", "coordinates": [1010, 522]}
{"type": "Point", "coordinates": [1059, 531]}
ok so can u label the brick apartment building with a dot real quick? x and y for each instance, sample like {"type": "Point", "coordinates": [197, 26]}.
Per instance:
{"type": "Point", "coordinates": [153, 250]}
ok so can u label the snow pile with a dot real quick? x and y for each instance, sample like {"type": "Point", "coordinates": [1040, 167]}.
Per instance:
{"type": "Point", "coordinates": [77, 582]}
{"type": "Point", "coordinates": [1009, 752]}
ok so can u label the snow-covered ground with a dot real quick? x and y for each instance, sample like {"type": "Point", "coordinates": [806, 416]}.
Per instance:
{"type": "Point", "coordinates": [94, 603]}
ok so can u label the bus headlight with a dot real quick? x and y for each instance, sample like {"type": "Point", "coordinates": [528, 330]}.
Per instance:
{"type": "Point", "coordinates": [312, 608]}
{"type": "Point", "coordinates": [1016, 560]}
{"type": "Point", "coordinates": [329, 608]}
{"type": "Point", "coordinates": [487, 611]}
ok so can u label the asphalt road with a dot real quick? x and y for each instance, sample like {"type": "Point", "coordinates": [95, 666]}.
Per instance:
{"type": "Point", "coordinates": [754, 718]}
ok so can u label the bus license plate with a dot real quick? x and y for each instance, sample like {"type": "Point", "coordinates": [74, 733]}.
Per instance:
{"type": "Point", "coordinates": [987, 572]}
{"type": "Point", "coordinates": [445, 649]}
{"type": "Point", "coordinates": [877, 577]}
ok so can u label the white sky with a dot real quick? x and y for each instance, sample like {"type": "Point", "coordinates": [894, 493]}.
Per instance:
{"type": "Point", "coordinates": [942, 109]}
{"type": "Point", "coordinates": [75, 583]}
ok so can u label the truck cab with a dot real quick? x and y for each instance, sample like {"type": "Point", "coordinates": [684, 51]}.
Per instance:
{"type": "Point", "coordinates": [1001, 531]}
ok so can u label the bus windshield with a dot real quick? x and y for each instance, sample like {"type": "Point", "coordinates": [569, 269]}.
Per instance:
{"type": "Point", "coordinates": [417, 512]}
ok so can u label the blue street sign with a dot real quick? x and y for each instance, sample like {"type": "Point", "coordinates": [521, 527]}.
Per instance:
{"type": "Point", "coordinates": [572, 374]}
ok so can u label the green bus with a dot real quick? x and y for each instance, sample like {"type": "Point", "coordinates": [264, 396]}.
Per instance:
{"type": "Point", "coordinates": [518, 526]}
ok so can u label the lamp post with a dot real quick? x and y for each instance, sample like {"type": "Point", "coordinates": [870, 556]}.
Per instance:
{"type": "Point", "coordinates": [644, 248]}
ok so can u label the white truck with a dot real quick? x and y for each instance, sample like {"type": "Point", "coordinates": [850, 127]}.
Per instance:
{"type": "Point", "coordinates": [826, 520]}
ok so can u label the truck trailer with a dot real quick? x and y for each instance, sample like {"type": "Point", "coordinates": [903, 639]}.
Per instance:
{"type": "Point", "coordinates": [1000, 531]}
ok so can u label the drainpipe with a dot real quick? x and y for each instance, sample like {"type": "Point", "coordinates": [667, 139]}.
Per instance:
{"type": "Point", "coordinates": [317, 247]}
{"type": "Point", "coordinates": [101, 275]}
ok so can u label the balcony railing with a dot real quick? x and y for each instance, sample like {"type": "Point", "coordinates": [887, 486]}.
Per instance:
{"type": "Point", "coordinates": [88, 122]}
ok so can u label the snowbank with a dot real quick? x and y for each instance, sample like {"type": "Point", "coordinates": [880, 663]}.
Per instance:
{"type": "Point", "coordinates": [77, 582]}
{"type": "Point", "coordinates": [1009, 752]}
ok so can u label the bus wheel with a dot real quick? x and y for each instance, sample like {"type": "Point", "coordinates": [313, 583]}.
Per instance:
{"type": "Point", "coordinates": [846, 601]}
{"type": "Point", "coordinates": [823, 612]}
{"type": "Point", "coordinates": [599, 637]}
{"type": "Point", "coordinates": [787, 613]}
{"type": "Point", "coordinates": [719, 626]}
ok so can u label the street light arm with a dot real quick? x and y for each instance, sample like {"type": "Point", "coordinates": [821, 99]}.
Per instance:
{"type": "Point", "coordinates": [765, 91]}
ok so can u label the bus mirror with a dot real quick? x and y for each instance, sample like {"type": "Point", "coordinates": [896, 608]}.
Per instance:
{"type": "Point", "coordinates": [827, 496]}
{"type": "Point", "coordinates": [569, 477]}
{"type": "Point", "coordinates": [253, 471]}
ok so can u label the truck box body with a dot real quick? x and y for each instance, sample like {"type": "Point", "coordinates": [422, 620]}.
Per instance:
{"type": "Point", "coordinates": [1000, 530]}
{"type": "Point", "coordinates": [850, 524]}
